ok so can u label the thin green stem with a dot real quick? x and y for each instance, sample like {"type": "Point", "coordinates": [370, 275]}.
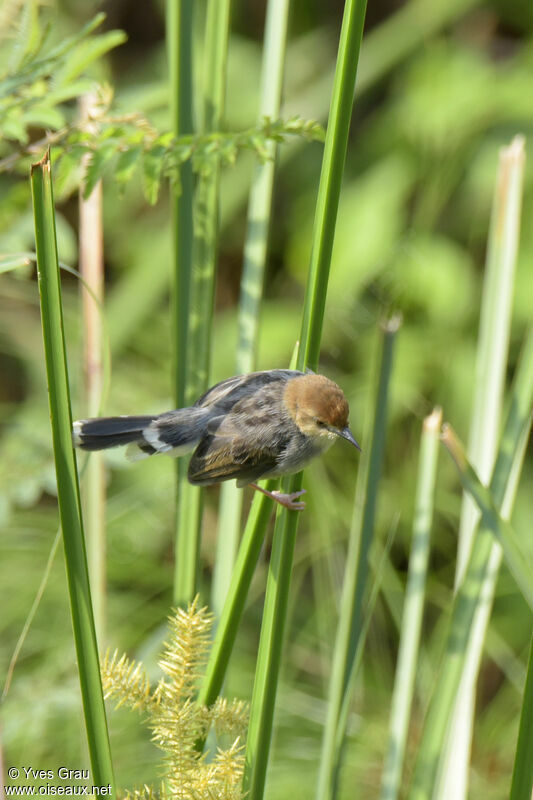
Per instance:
{"type": "Point", "coordinates": [67, 479]}
{"type": "Point", "coordinates": [413, 608]}
{"type": "Point", "coordinates": [470, 594]}
{"type": "Point", "coordinates": [517, 558]}
{"type": "Point", "coordinates": [260, 203]}
{"type": "Point", "coordinates": [91, 258]}
{"type": "Point", "coordinates": [523, 766]}
{"type": "Point", "coordinates": [269, 654]}
{"type": "Point", "coordinates": [330, 182]}
{"type": "Point", "coordinates": [179, 26]}
{"type": "Point", "coordinates": [202, 291]}
{"type": "Point", "coordinates": [179, 47]}
{"type": "Point", "coordinates": [31, 614]}
{"type": "Point", "coordinates": [255, 255]}
{"type": "Point", "coordinates": [280, 570]}
{"type": "Point", "coordinates": [355, 582]}
{"type": "Point", "coordinates": [494, 331]}
{"type": "Point", "coordinates": [491, 365]}
{"type": "Point", "coordinates": [241, 579]}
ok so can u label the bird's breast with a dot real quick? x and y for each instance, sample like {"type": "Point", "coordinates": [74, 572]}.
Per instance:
{"type": "Point", "coordinates": [299, 451]}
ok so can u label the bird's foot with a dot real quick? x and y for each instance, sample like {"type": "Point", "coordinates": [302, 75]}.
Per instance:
{"type": "Point", "coordinates": [288, 500]}
{"type": "Point", "coordinates": [285, 500]}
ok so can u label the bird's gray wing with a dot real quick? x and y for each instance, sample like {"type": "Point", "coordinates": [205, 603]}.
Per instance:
{"type": "Point", "coordinates": [243, 444]}
{"type": "Point", "coordinates": [223, 396]}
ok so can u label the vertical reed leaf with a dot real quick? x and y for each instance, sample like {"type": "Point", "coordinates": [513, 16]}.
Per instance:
{"type": "Point", "coordinates": [355, 581]}
{"type": "Point", "coordinates": [241, 579]}
{"type": "Point", "coordinates": [330, 182]}
{"type": "Point", "coordinates": [260, 203]}
{"type": "Point", "coordinates": [278, 581]}
{"type": "Point", "coordinates": [522, 784]}
{"type": "Point", "coordinates": [413, 608]}
{"type": "Point", "coordinates": [206, 211]}
{"type": "Point", "coordinates": [67, 479]}
{"type": "Point", "coordinates": [494, 331]}
{"type": "Point", "coordinates": [179, 29]}
{"type": "Point", "coordinates": [255, 255]}
{"type": "Point", "coordinates": [517, 558]}
{"type": "Point", "coordinates": [202, 289]}
{"type": "Point", "coordinates": [91, 248]}
{"type": "Point", "coordinates": [502, 486]}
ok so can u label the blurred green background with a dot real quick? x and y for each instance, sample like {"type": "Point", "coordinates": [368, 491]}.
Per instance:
{"type": "Point", "coordinates": [442, 87]}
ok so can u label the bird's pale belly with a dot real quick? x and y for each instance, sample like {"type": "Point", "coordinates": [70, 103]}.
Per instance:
{"type": "Point", "coordinates": [298, 455]}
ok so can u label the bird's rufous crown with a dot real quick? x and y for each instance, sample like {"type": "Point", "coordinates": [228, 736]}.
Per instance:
{"type": "Point", "coordinates": [318, 398]}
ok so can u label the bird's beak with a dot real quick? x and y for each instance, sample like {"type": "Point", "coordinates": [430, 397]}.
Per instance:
{"type": "Point", "coordinates": [346, 434]}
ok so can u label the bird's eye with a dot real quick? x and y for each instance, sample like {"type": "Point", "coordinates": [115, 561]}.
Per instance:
{"type": "Point", "coordinates": [320, 423]}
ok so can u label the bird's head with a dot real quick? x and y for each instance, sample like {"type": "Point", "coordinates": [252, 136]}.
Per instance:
{"type": "Point", "coordinates": [319, 408]}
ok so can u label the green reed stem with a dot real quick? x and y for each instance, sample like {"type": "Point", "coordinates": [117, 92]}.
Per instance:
{"type": "Point", "coordinates": [241, 578]}
{"type": "Point", "coordinates": [494, 331]}
{"type": "Point", "coordinates": [91, 260]}
{"type": "Point", "coordinates": [518, 560]}
{"type": "Point", "coordinates": [522, 783]}
{"type": "Point", "coordinates": [280, 570]}
{"type": "Point", "coordinates": [413, 608]}
{"type": "Point", "coordinates": [491, 365]}
{"type": "Point", "coordinates": [179, 47]}
{"type": "Point", "coordinates": [330, 183]}
{"type": "Point", "coordinates": [67, 479]}
{"type": "Point", "coordinates": [470, 594]}
{"type": "Point", "coordinates": [355, 582]}
{"type": "Point", "coordinates": [202, 290]}
{"type": "Point", "coordinates": [255, 255]}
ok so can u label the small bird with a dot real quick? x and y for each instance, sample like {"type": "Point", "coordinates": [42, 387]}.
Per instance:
{"type": "Point", "coordinates": [260, 425]}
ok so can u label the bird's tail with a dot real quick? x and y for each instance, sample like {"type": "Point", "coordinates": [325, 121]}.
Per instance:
{"type": "Point", "coordinates": [174, 432]}
{"type": "Point", "coordinates": [104, 432]}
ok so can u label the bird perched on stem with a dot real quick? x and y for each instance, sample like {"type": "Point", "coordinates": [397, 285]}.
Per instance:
{"type": "Point", "coordinates": [260, 425]}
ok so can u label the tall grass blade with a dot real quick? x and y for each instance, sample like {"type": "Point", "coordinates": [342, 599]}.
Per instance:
{"type": "Point", "coordinates": [241, 579]}
{"type": "Point", "coordinates": [494, 330]}
{"type": "Point", "coordinates": [91, 247]}
{"type": "Point", "coordinates": [260, 203]}
{"type": "Point", "coordinates": [470, 594]}
{"type": "Point", "coordinates": [330, 182]}
{"type": "Point", "coordinates": [31, 614]}
{"type": "Point", "coordinates": [255, 255]}
{"type": "Point", "coordinates": [67, 479]}
{"type": "Point", "coordinates": [522, 784]}
{"type": "Point", "coordinates": [517, 558]}
{"type": "Point", "coordinates": [202, 288]}
{"type": "Point", "coordinates": [355, 582]}
{"type": "Point", "coordinates": [495, 324]}
{"type": "Point", "coordinates": [279, 575]}
{"type": "Point", "coordinates": [179, 31]}
{"type": "Point", "coordinates": [179, 34]}
{"type": "Point", "coordinates": [413, 608]}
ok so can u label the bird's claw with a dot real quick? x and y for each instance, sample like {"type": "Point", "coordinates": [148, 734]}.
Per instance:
{"type": "Point", "coordinates": [285, 500]}
{"type": "Point", "coordinates": [289, 500]}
